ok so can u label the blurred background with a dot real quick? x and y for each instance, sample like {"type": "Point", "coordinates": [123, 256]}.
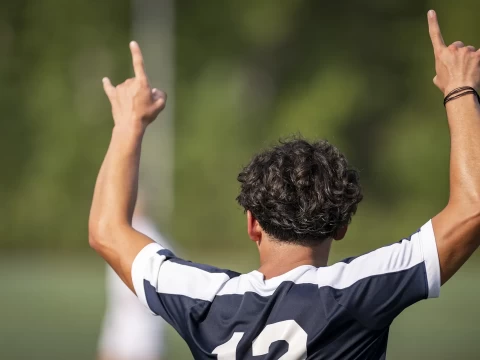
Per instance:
{"type": "Point", "coordinates": [240, 75]}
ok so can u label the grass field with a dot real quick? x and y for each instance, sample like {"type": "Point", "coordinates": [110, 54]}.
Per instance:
{"type": "Point", "coordinates": [52, 307]}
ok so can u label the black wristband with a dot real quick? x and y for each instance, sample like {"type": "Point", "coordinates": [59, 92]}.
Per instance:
{"type": "Point", "coordinates": [459, 92]}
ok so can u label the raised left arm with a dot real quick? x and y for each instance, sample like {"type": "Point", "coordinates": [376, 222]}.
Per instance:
{"type": "Point", "coordinates": [134, 106]}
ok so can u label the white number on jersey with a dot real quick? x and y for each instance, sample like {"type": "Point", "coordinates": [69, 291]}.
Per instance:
{"type": "Point", "coordinates": [228, 351]}
{"type": "Point", "coordinates": [287, 330]}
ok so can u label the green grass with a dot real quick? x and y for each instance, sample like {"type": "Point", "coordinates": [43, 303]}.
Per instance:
{"type": "Point", "coordinates": [52, 307]}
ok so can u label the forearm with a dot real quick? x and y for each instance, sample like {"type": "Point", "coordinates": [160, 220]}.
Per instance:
{"type": "Point", "coordinates": [457, 228]}
{"type": "Point", "coordinates": [464, 123]}
{"type": "Point", "coordinates": [117, 183]}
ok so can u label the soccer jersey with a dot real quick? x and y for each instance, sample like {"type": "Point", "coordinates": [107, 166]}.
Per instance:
{"type": "Point", "coordinates": [342, 311]}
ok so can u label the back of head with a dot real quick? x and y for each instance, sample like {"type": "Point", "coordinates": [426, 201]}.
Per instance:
{"type": "Point", "coordinates": [299, 191]}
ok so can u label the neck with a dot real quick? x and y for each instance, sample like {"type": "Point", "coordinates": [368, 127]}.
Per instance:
{"type": "Point", "coordinates": [277, 258]}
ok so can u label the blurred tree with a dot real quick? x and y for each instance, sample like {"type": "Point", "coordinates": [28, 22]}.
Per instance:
{"type": "Point", "coordinates": [55, 124]}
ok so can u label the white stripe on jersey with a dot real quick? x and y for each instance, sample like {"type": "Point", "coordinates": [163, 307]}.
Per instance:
{"type": "Point", "coordinates": [202, 285]}
{"type": "Point", "coordinates": [430, 256]}
{"type": "Point", "coordinates": [176, 279]}
{"type": "Point", "coordinates": [396, 257]}
{"type": "Point", "coordinates": [166, 276]}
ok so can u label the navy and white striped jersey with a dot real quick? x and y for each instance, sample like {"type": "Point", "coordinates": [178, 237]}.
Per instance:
{"type": "Point", "coordinates": [342, 311]}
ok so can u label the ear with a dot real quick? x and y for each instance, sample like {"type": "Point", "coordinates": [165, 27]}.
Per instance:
{"type": "Point", "coordinates": [340, 234]}
{"type": "Point", "coordinates": [253, 227]}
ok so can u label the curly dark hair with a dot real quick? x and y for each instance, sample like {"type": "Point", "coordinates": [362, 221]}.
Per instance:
{"type": "Point", "coordinates": [299, 191]}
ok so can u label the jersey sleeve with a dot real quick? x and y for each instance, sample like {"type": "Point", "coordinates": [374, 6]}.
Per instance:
{"type": "Point", "coordinates": [378, 286]}
{"type": "Point", "coordinates": [173, 288]}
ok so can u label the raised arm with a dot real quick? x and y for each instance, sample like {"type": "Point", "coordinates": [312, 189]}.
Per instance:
{"type": "Point", "coordinates": [134, 106]}
{"type": "Point", "coordinates": [457, 227]}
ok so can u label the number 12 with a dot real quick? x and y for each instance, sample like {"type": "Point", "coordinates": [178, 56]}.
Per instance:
{"type": "Point", "coordinates": [287, 330]}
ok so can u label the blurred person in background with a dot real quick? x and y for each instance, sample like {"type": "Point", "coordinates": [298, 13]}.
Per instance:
{"type": "Point", "coordinates": [299, 196]}
{"type": "Point", "coordinates": [129, 331]}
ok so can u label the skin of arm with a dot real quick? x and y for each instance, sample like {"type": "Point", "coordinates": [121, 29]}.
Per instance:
{"type": "Point", "coordinates": [457, 226]}
{"type": "Point", "coordinates": [134, 106]}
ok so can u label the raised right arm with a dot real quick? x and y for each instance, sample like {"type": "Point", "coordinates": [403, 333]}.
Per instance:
{"type": "Point", "coordinates": [457, 226]}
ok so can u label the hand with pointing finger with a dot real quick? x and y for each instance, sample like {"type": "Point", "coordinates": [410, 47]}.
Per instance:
{"type": "Point", "coordinates": [456, 65]}
{"type": "Point", "coordinates": [134, 103]}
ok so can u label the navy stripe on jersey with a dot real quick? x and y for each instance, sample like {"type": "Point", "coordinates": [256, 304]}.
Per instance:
{"type": "Point", "coordinates": [172, 308]}
{"type": "Point", "coordinates": [341, 311]}
{"type": "Point", "coordinates": [386, 296]}
{"type": "Point", "coordinates": [208, 324]}
{"type": "Point", "coordinates": [167, 253]}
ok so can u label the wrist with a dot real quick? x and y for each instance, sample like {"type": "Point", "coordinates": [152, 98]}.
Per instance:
{"type": "Point", "coordinates": [128, 135]}
{"type": "Point", "coordinates": [460, 92]}
{"type": "Point", "coordinates": [450, 88]}
{"type": "Point", "coordinates": [128, 131]}
{"type": "Point", "coordinates": [465, 103]}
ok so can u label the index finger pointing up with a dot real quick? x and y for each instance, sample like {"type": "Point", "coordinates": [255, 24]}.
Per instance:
{"type": "Point", "coordinates": [137, 59]}
{"type": "Point", "coordinates": [434, 30]}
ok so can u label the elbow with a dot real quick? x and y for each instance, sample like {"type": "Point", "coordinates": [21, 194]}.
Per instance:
{"type": "Point", "coordinates": [468, 211]}
{"type": "Point", "coordinates": [104, 233]}
{"type": "Point", "coordinates": [474, 215]}
{"type": "Point", "coordinates": [468, 201]}
{"type": "Point", "coordinates": [98, 235]}
{"type": "Point", "coordinates": [93, 240]}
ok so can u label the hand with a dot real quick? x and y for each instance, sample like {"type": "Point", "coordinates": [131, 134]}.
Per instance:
{"type": "Point", "coordinates": [134, 103]}
{"type": "Point", "coordinates": [456, 65]}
